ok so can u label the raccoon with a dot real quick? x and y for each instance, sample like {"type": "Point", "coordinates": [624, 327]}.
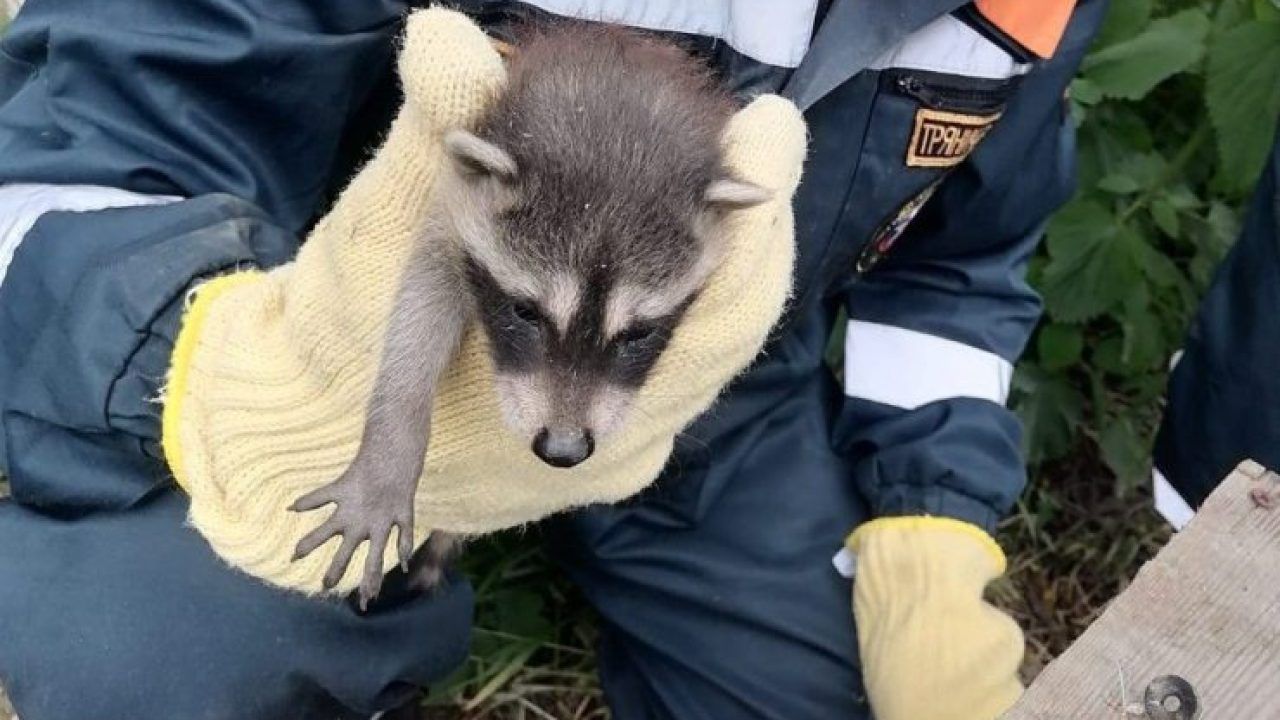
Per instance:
{"type": "Point", "coordinates": [579, 221]}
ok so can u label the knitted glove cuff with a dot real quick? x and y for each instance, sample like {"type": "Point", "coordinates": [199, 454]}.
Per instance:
{"type": "Point", "coordinates": [928, 524]}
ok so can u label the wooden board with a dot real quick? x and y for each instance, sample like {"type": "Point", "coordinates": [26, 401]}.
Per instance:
{"type": "Point", "coordinates": [1206, 609]}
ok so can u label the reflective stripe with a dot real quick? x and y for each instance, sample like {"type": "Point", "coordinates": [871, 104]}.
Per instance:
{"type": "Point", "coordinates": [22, 204]}
{"type": "Point", "coordinates": [770, 31]}
{"type": "Point", "coordinates": [908, 369]}
{"type": "Point", "coordinates": [947, 45]}
{"type": "Point", "coordinates": [1169, 503]}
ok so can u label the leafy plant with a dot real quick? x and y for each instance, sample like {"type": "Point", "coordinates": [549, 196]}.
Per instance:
{"type": "Point", "coordinates": [1176, 108]}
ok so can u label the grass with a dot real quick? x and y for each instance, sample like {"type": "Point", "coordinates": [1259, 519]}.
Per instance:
{"type": "Point", "coordinates": [531, 651]}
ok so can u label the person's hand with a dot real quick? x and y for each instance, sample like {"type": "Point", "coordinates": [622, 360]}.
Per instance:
{"type": "Point", "coordinates": [272, 371]}
{"type": "Point", "coordinates": [931, 646]}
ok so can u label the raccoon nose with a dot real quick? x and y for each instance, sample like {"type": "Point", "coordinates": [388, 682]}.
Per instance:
{"type": "Point", "coordinates": [563, 448]}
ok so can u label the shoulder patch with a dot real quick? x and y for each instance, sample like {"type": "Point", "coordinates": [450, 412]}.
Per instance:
{"type": "Point", "coordinates": [944, 139]}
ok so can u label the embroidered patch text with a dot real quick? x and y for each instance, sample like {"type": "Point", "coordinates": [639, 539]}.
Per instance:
{"type": "Point", "coordinates": [944, 139]}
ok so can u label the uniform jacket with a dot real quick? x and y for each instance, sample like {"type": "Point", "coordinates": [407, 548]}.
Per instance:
{"type": "Point", "coordinates": [940, 143]}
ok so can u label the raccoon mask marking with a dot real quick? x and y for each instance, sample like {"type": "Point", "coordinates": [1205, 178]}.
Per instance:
{"type": "Point", "coordinates": [589, 208]}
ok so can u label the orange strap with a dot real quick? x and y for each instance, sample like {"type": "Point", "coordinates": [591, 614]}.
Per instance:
{"type": "Point", "coordinates": [1036, 24]}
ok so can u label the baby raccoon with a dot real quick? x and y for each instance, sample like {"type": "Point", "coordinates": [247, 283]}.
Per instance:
{"type": "Point", "coordinates": [576, 224]}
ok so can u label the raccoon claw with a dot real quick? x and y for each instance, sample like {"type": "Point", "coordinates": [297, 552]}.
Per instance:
{"type": "Point", "coordinates": [368, 508]}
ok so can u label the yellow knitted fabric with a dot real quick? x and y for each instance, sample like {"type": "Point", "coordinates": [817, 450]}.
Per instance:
{"type": "Point", "coordinates": [931, 647]}
{"type": "Point", "coordinates": [273, 371]}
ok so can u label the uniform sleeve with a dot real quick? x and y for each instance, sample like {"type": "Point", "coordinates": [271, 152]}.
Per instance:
{"type": "Point", "coordinates": [145, 144]}
{"type": "Point", "coordinates": [935, 327]}
{"type": "Point", "coordinates": [246, 97]}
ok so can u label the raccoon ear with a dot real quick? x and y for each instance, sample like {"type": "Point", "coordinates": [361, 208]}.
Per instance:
{"type": "Point", "coordinates": [478, 157]}
{"type": "Point", "coordinates": [730, 194]}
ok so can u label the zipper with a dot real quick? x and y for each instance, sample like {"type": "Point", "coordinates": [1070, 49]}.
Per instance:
{"type": "Point", "coordinates": [951, 92]}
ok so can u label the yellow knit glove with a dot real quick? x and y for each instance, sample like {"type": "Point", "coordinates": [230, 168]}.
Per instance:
{"type": "Point", "coordinates": [932, 648]}
{"type": "Point", "coordinates": [273, 371]}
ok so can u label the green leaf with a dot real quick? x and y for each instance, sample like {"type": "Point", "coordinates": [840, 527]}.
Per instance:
{"type": "Point", "coordinates": [1155, 265]}
{"type": "Point", "coordinates": [1165, 216]}
{"type": "Point", "coordinates": [1075, 225]}
{"type": "Point", "coordinates": [1091, 266]}
{"type": "Point", "coordinates": [1125, 18]}
{"type": "Point", "coordinates": [1107, 355]}
{"type": "Point", "coordinates": [1126, 452]}
{"type": "Point", "coordinates": [1050, 408]}
{"type": "Point", "coordinates": [1182, 198]}
{"type": "Point", "coordinates": [1109, 140]}
{"type": "Point", "coordinates": [1224, 225]}
{"type": "Point", "coordinates": [1231, 13]}
{"type": "Point", "coordinates": [1242, 91]}
{"type": "Point", "coordinates": [1129, 69]}
{"type": "Point", "coordinates": [1213, 235]}
{"type": "Point", "coordinates": [1267, 11]}
{"type": "Point", "coordinates": [1143, 347]}
{"type": "Point", "coordinates": [1085, 91]}
{"type": "Point", "coordinates": [1059, 346]}
{"type": "Point", "coordinates": [1119, 184]}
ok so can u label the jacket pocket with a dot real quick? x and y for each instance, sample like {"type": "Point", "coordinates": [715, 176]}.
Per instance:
{"type": "Point", "coordinates": [922, 125]}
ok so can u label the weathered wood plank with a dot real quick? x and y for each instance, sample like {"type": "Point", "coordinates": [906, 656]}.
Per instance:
{"type": "Point", "coordinates": [1206, 609]}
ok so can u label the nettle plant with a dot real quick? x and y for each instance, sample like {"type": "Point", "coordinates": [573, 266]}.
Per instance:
{"type": "Point", "coordinates": [1176, 107]}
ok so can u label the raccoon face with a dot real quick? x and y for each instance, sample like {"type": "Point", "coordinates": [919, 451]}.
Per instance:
{"type": "Point", "coordinates": [579, 287]}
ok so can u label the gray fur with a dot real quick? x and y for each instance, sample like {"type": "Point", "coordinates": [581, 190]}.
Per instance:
{"type": "Point", "coordinates": [575, 225]}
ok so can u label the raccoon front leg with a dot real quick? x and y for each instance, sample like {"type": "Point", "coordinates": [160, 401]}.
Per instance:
{"type": "Point", "coordinates": [376, 492]}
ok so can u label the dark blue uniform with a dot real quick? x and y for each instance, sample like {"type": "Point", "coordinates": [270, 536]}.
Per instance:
{"type": "Point", "coordinates": [715, 587]}
{"type": "Point", "coordinates": [1224, 392]}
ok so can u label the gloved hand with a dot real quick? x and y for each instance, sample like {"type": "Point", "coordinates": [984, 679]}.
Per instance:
{"type": "Point", "coordinates": [272, 371]}
{"type": "Point", "coordinates": [932, 648]}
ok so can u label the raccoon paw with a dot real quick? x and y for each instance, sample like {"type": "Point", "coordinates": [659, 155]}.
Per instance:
{"type": "Point", "coordinates": [369, 506]}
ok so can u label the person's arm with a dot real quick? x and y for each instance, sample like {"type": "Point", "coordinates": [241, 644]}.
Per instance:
{"type": "Point", "coordinates": [934, 330]}
{"type": "Point", "coordinates": [935, 327]}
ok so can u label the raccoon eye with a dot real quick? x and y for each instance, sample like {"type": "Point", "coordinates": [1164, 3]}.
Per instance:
{"type": "Point", "coordinates": [636, 336]}
{"type": "Point", "coordinates": [526, 313]}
